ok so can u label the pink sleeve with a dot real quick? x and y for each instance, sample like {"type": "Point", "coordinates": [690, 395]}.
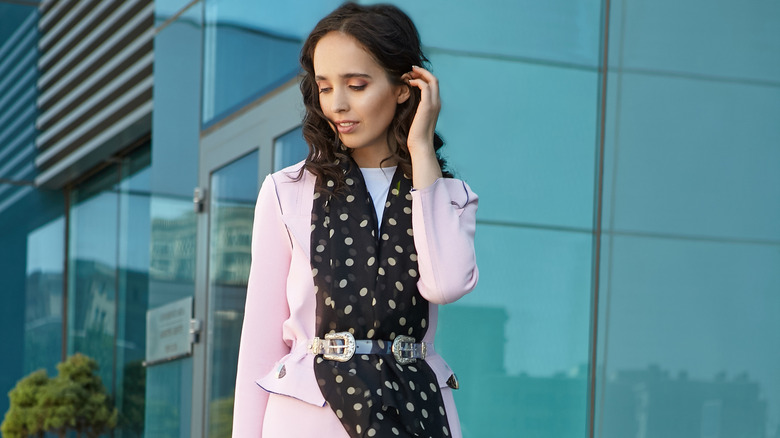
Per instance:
{"type": "Point", "coordinates": [265, 312]}
{"type": "Point", "coordinates": [444, 221]}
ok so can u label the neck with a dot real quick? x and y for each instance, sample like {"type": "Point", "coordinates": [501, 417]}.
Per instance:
{"type": "Point", "coordinates": [368, 159]}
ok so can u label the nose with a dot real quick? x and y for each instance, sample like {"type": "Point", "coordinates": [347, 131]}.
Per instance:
{"type": "Point", "coordinates": [339, 104]}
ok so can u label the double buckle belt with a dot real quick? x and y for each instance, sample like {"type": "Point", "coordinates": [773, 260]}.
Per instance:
{"type": "Point", "coordinates": [342, 346]}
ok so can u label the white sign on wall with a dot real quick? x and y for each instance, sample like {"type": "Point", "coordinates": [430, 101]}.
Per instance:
{"type": "Point", "coordinates": [167, 331]}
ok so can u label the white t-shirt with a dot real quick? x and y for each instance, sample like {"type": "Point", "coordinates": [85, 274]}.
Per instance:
{"type": "Point", "coordinates": [378, 181]}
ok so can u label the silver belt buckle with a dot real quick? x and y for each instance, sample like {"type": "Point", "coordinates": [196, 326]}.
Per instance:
{"type": "Point", "coordinates": [344, 352]}
{"type": "Point", "coordinates": [403, 350]}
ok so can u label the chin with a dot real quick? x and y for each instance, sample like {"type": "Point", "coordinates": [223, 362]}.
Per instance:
{"type": "Point", "coordinates": [349, 145]}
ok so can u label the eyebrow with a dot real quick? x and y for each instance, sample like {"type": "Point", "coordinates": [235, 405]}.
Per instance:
{"type": "Point", "coordinates": [345, 76]}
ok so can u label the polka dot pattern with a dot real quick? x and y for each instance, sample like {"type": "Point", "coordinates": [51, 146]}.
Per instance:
{"type": "Point", "coordinates": [365, 275]}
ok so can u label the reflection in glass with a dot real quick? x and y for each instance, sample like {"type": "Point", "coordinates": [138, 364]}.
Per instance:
{"type": "Point", "coordinates": [289, 149]}
{"type": "Point", "coordinates": [168, 399]}
{"type": "Point", "coordinates": [691, 339]}
{"type": "Point", "coordinates": [171, 277]}
{"type": "Point", "coordinates": [692, 244]}
{"type": "Point", "coordinates": [561, 31]}
{"type": "Point", "coordinates": [43, 306]}
{"type": "Point", "coordinates": [233, 194]}
{"type": "Point", "coordinates": [710, 188]}
{"type": "Point", "coordinates": [529, 317]}
{"type": "Point", "coordinates": [735, 40]}
{"type": "Point", "coordinates": [172, 253]}
{"type": "Point", "coordinates": [133, 292]}
{"type": "Point", "coordinates": [174, 174]}
{"type": "Point", "coordinates": [176, 115]}
{"type": "Point", "coordinates": [108, 281]}
{"type": "Point", "coordinates": [528, 323]}
{"type": "Point", "coordinates": [251, 48]}
{"type": "Point", "coordinates": [536, 169]}
{"type": "Point", "coordinates": [92, 276]}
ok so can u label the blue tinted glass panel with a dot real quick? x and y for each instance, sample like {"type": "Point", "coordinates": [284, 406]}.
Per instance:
{"type": "Point", "coordinates": [529, 322]}
{"type": "Point", "coordinates": [27, 276]}
{"type": "Point", "coordinates": [43, 307]}
{"type": "Point", "coordinates": [715, 39]}
{"type": "Point", "coordinates": [289, 149]}
{"type": "Point", "coordinates": [172, 220]}
{"type": "Point", "coordinates": [691, 338]}
{"type": "Point", "coordinates": [565, 31]}
{"type": "Point", "coordinates": [133, 292]}
{"type": "Point", "coordinates": [692, 202]}
{"type": "Point", "coordinates": [175, 120]}
{"type": "Point", "coordinates": [108, 281]}
{"type": "Point", "coordinates": [92, 276]}
{"type": "Point", "coordinates": [174, 172]}
{"type": "Point", "coordinates": [13, 17]}
{"type": "Point", "coordinates": [233, 194]}
{"type": "Point", "coordinates": [169, 399]}
{"type": "Point", "coordinates": [23, 208]}
{"type": "Point", "coordinates": [695, 157]}
{"type": "Point", "coordinates": [525, 140]}
{"type": "Point", "coordinates": [251, 48]}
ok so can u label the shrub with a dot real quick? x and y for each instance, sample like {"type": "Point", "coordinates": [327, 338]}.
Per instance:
{"type": "Point", "coordinates": [75, 400]}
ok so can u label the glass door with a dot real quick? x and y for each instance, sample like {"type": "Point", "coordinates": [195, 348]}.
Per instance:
{"type": "Point", "coordinates": [232, 199]}
{"type": "Point", "coordinates": [235, 158]}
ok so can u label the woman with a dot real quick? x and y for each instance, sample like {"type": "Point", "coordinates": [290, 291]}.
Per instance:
{"type": "Point", "coordinates": [354, 248]}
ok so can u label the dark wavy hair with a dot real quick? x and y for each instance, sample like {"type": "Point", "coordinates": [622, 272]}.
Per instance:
{"type": "Point", "coordinates": [391, 38]}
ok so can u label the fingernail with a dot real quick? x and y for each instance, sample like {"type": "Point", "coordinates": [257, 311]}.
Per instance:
{"type": "Point", "coordinates": [415, 66]}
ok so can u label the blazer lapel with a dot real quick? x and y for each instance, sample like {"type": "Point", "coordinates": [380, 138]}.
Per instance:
{"type": "Point", "coordinates": [296, 202]}
{"type": "Point", "coordinates": [299, 227]}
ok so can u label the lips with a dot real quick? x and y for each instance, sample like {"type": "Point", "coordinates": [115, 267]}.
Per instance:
{"type": "Point", "coordinates": [346, 126]}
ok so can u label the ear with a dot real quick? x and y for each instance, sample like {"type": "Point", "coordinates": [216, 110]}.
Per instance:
{"type": "Point", "coordinates": [403, 92]}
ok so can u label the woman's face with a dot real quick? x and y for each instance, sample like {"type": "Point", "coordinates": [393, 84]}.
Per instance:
{"type": "Point", "coordinates": [356, 96]}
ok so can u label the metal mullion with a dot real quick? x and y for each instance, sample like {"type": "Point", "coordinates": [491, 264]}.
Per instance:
{"type": "Point", "coordinates": [597, 232]}
{"type": "Point", "coordinates": [66, 274]}
{"type": "Point", "coordinates": [117, 256]}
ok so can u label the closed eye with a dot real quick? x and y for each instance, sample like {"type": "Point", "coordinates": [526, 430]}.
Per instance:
{"type": "Point", "coordinates": [357, 87]}
{"type": "Point", "coordinates": [324, 90]}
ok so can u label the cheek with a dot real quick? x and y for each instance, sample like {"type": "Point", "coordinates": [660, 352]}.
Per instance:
{"type": "Point", "coordinates": [383, 107]}
{"type": "Point", "coordinates": [322, 104]}
{"type": "Point", "coordinates": [388, 111]}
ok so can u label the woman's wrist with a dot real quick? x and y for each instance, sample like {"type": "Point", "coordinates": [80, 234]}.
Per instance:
{"type": "Point", "coordinates": [425, 166]}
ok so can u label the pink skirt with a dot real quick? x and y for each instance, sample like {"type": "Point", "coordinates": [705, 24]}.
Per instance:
{"type": "Point", "coordinates": [288, 417]}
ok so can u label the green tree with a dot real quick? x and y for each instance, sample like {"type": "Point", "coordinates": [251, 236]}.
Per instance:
{"type": "Point", "coordinates": [75, 400]}
{"type": "Point", "coordinates": [82, 398]}
{"type": "Point", "coordinates": [25, 416]}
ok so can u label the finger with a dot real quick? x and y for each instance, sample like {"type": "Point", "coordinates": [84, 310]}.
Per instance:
{"type": "Point", "coordinates": [429, 92]}
{"type": "Point", "coordinates": [428, 77]}
{"type": "Point", "coordinates": [419, 83]}
{"type": "Point", "coordinates": [424, 87]}
{"type": "Point", "coordinates": [425, 74]}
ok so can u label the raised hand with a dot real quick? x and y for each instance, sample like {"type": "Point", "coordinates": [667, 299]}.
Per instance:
{"type": "Point", "coordinates": [425, 166]}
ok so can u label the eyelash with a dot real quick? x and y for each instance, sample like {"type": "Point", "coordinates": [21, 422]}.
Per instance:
{"type": "Point", "coordinates": [353, 87]}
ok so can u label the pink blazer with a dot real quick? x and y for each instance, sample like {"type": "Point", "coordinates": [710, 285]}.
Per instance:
{"type": "Point", "coordinates": [279, 316]}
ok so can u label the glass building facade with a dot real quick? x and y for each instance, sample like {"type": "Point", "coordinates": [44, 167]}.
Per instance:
{"type": "Point", "coordinates": [627, 158]}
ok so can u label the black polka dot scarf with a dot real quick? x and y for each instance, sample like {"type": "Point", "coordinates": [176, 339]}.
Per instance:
{"type": "Point", "coordinates": [368, 286]}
